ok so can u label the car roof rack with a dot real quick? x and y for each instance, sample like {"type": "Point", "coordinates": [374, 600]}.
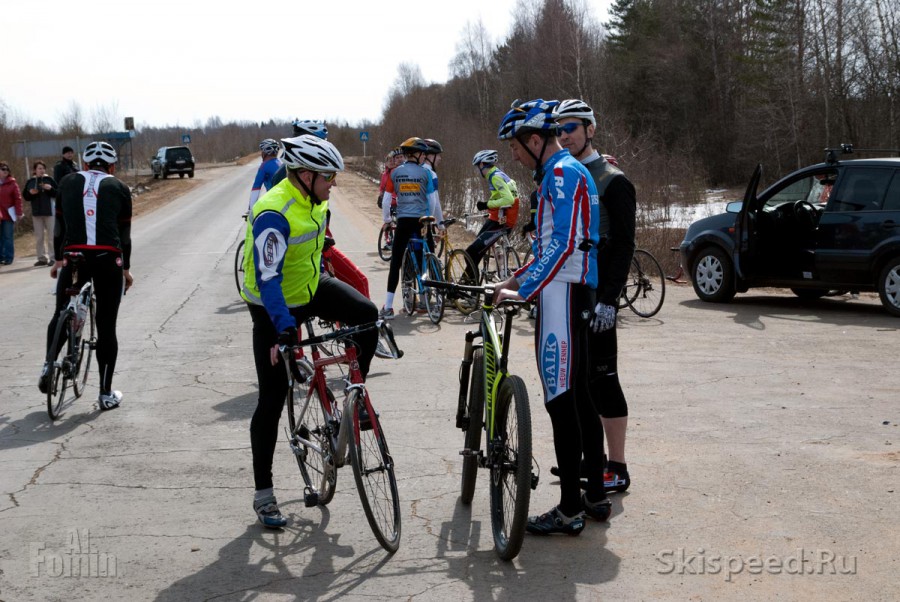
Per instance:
{"type": "Point", "coordinates": [832, 154]}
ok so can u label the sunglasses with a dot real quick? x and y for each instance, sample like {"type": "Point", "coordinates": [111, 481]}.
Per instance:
{"type": "Point", "coordinates": [568, 128]}
{"type": "Point", "coordinates": [4, 168]}
{"type": "Point", "coordinates": [328, 177]}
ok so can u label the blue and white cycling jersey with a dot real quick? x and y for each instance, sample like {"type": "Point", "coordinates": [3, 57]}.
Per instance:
{"type": "Point", "coordinates": [264, 177]}
{"type": "Point", "coordinates": [568, 228]}
{"type": "Point", "coordinates": [413, 186]}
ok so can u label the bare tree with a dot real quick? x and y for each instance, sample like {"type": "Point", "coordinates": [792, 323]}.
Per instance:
{"type": "Point", "coordinates": [106, 118]}
{"type": "Point", "coordinates": [472, 63]}
{"type": "Point", "coordinates": [71, 121]}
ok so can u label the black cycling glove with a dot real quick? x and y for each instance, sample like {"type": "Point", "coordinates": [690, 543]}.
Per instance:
{"type": "Point", "coordinates": [481, 205]}
{"type": "Point", "coordinates": [288, 336]}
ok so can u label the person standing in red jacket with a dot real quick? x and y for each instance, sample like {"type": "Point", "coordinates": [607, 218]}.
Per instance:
{"type": "Point", "coordinates": [10, 212]}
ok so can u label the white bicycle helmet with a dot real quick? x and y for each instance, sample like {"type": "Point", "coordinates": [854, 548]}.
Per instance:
{"type": "Point", "coordinates": [485, 156]}
{"type": "Point", "coordinates": [99, 151]}
{"type": "Point", "coordinates": [575, 107]}
{"type": "Point", "coordinates": [310, 126]}
{"type": "Point", "coordinates": [311, 153]}
{"type": "Point", "coordinates": [269, 147]}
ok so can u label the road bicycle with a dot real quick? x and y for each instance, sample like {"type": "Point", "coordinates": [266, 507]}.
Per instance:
{"type": "Point", "coordinates": [322, 435]}
{"type": "Point", "coordinates": [413, 274]}
{"type": "Point", "coordinates": [239, 260]}
{"type": "Point", "coordinates": [386, 236]}
{"type": "Point", "coordinates": [459, 269]}
{"type": "Point", "coordinates": [493, 402]}
{"type": "Point", "coordinates": [500, 260]}
{"type": "Point", "coordinates": [75, 331]}
{"type": "Point", "coordinates": [645, 288]}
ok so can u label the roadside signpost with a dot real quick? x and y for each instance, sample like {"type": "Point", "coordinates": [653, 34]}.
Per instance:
{"type": "Point", "coordinates": [364, 137]}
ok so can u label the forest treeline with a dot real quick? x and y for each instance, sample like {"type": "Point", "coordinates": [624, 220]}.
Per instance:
{"type": "Point", "coordinates": [688, 93]}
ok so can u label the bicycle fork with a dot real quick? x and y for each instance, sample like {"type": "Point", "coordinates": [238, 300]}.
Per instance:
{"type": "Point", "coordinates": [465, 369]}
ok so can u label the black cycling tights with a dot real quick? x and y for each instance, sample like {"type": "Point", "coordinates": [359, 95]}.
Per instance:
{"type": "Point", "coordinates": [104, 268]}
{"type": "Point", "coordinates": [334, 300]}
{"type": "Point", "coordinates": [407, 228]}
{"type": "Point", "coordinates": [606, 390]}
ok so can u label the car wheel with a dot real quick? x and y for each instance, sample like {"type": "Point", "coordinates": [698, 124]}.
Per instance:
{"type": "Point", "coordinates": [165, 174]}
{"type": "Point", "coordinates": [191, 174]}
{"type": "Point", "coordinates": [155, 176]}
{"type": "Point", "coordinates": [181, 175]}
{"type": "Point", "coordinates": [889, 286]}
{"type": "Point", "coordinates": [713, 275]}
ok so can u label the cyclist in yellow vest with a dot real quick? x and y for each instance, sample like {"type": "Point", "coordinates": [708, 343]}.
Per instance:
{"type": "Point", "coordinates": [283, 287]}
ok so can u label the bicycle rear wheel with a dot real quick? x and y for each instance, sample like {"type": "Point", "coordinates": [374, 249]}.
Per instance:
{"type": "Point", "coordinates": [86, 346]}
{"type": "Point", "coordinates": [57, 381]}
{"type": "Point", "coordinates": [386, 241]}
{"type": "Point", "coordinates": [510, 455]}
{"type": "Point", "coordinates": [474, 426]}
{"type": "Point", "coordinates": [434, 298]}
{"type": "Point", "coordinates": [408, 283]}
{"type": "Point", "coordinates": [651, 285]}
{"type": "Point", "coordinates": [632, 286]}
{"type": "Point", "coordinates": [316, 465]}
{"type": "Point", "coordinates": [373, 470]}
{"type": "Point", "coordinates": [512, 264]}
{"type": "Point", "coordinates": [239, 266]}
{"type": "Point", "coordinates": [460, 269]}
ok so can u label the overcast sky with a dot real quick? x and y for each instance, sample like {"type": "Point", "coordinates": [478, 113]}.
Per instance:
{"type": "Point", "coordinates": [168, 62]}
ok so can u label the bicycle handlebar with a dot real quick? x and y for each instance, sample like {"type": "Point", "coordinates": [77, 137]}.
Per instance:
{"type": "Point", "coordinates": [382, 326]}
{"type": "Point", "coordinates": [486, 290]}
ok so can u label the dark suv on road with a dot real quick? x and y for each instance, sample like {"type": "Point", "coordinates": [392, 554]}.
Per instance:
{"type": "Point", "coordinates": [172, 159]}
{"type": "Point", "coordinates": [831, 226]}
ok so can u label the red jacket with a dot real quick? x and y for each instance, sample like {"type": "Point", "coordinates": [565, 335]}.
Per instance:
{"type": "Point", "coordinates": [10, 197]}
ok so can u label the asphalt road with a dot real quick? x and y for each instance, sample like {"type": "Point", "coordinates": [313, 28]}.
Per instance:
{"type": "Point", "coordinates": [763, 443]}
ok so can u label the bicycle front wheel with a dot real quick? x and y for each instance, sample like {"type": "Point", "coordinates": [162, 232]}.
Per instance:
{"type": "Point", "coordinates": [460, 269]}
{"type": "Point", "coordinates": [239, 266]}
{"type": "Point", "coordinates": [386, 241]}
{"type": "Point", "coordinates": [434, 298]}
{"type": "Point", "coordinates": [86, 344]}
{"type": "Point", "coordinates": [408, 283]}
{"type": "Point", "coordinates": [373, 469]}
{"type": "Point", "coordinates": [312, 423]}
{"type": "Point", "coordinates": [510, 453]}
{"type": "Point", "coordinates": [57, 381]}
{"type": "Point", "coordinates": [512, 263]}
{"type": "Point", "coordinates": [650, 283]}
{"type": "Point", "coordinates": [474, 418]}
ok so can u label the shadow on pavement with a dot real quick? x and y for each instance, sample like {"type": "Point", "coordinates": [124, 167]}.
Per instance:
{"type": "Point", "coordinates": [38, 428]}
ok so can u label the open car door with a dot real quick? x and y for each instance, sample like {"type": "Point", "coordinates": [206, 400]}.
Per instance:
{"type": "Point", "coordinates": [746, 252]}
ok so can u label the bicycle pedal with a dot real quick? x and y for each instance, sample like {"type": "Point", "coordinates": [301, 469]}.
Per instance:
{"type": "Point", "coordinates": [534, 481]}
{"type": "Point", "coordinates": [311, 499]}
{"type": "Point", "coordinates": [469, 453]}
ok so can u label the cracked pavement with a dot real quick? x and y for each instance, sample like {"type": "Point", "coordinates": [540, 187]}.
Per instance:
{"type": "Point", "coordinates": [757, 429]}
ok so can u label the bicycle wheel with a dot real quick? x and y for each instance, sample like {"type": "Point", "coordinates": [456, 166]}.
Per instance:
{"type": "Point", "coordinates": [316, 465]}
{"type": "Point", "coordinates": [460, 269]}
{"type": "Point", "coordinates": [434, 298]}
{"type": "Point", "coordinates": [510, 453]}
{"type": "Point", "coordinates": [439, 241]}
{"type": "Point", "coordinates": [474, 427]}
{"type": "Point", "coordinates": [86, 344]}
{"type": "Point", "coordinates": [651, 289]}
{"type": "Point", "coordinates": [408, 283]}
{"type": "Point", "coordinates": [632, 286]}
{"type": "Point", "coordinates": [373, 469]}
{"type": "Point", "coordinates": [57, 382]}
{"type": "Point", "coordinates": [512, 263]}
{"type": "Point", "coordinates": [239, 266]}
{"type": "Point", "coordinates": [386, 241]}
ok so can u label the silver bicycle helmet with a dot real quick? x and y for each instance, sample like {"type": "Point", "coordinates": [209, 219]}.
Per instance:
{"type": "Point", "coordinates": [485, 156]}
{"type": "Point", "coordinates": [269, 147]}
{"type": "Point", "coordinates": [99, 151]}
{"type": "Point", "coordinates": [311, 153]}
{"type": "Point", "coordinates": [575, 107]}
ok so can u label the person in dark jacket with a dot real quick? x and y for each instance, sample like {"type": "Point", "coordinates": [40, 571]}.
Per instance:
{"type": "Point", "coordinates": [10, 212]}
{"type": "Point", "coordinates": [66, 165]}
{"type": "Point", "coordinates": [40, 190]}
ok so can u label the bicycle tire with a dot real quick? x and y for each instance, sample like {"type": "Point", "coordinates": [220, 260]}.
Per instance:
{"type": "Point", "coordinates": [512, 261]}
{"type": "Point", "coordinates": [408, 283]}
{"type": "Point", "coordinates": [632, 285]}
{"type": "Point", "coordinates": [86, 349]}
{"type": "Point", "coordinates": [439, 245]}
{"type": "Point", "coordinates": [460, 269]}
{"type": "Point", "coordinates": [434, 298]}
{"type": "Point", "coordinates": [474, 428]}
{"type": "Point", "coordinates": [510, 468]}
{"type": "Point", "coordinates": [239, 267]}
{"type": "Point", "coordinates": [56, 390]}
{"type": "Point", "coordinates": [651, 291]}
{"type": "Point", "coordinates": [317, 468]}
{"type": "Point", "coordinates": [386, 241]}
{"type": "Point", "coordinates": [373, 470]}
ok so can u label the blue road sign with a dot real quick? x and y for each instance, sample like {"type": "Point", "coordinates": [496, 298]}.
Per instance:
{"type": "Point", "coordinates": [364, 136]}
{"type": "Point", "coordinates": [185, 138]}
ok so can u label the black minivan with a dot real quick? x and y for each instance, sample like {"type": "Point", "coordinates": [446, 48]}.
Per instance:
{"type": "Point", "coordinates": [831, 226]}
